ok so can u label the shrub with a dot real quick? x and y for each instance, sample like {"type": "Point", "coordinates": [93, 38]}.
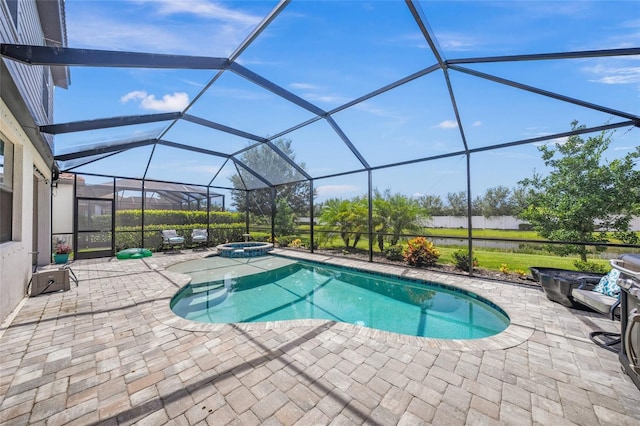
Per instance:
{"type": "Point", "coordinates": [461, 260]}
{"type": "Point", "coordinates": [393, 253]}
{"type": "Point", "coordinates": [296, 243]}
{"type": "Point", "coordinates": [306, 242]}
{"type": "Point", "coordinates": [504, 269]}
{"type": "Point", "coordinates": [263, 237]}
{"type": "Point", "coordinates": [420, 252]}
{"type": "Point", "coordinates": [592, 267]}
{"type": "Point", "coordinates": [285, 240]}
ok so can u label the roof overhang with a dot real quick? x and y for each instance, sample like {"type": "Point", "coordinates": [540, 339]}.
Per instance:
{"type": "Point", "coordinates": [12, 97]}
{"type": "Point", "coordinates": [52, 19]}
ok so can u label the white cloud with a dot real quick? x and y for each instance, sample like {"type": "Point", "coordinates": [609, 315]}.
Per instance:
{"type": "Point", "coordinates": [614, 75]}
{"type": "Point", "coordinates": [304, 86]}
{"type": "Point", "coordinates": [317, 93]}
{"type": "Point", "coordinates": [457, 42]}
{"type": "Point", "coordinates": [560, 141]}
{"type": "Point", "coordinates": [335, 190]}
{"type": "Point", "coordinates": [216, 31]}
{"type": "Point", "coordinates": [175, 102]}
{"type": "Point", "coordinates": [477, 123]}
{"type": "Point", "coordinates": [206, 9]}
{"type": "Point", "coordinates": [136, 94]}
{"type": "Point", "coordinates": [447, 124]}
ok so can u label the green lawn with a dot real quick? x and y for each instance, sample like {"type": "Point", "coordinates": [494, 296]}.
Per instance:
{"type": "Point", "coordinates": [484, 233]}
{"type": "Point", "coordinates": [487, 258]}
{"type": "Point", "coordinates": [515, 261]}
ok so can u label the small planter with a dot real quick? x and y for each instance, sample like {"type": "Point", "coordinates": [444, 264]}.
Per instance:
{"type": "Point", "coordinates": [60, 258]}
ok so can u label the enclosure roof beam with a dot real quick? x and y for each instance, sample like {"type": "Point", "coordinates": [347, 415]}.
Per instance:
{"type": "Point", "coordinates": [347, 141]}
{"type": "Point", "coordinates": [427, 33]}
{"type": "Point", "coordinates": [213, 125]}
{"type": "Point", "coordinates": [275, 89]}
{"type": "Point", "coordinates": [548, 56]}
{"type": "Point", "coordinates": [244, 45]}
{"type": "Point", "coordinates": [217, 154]}
{"type": "Point", "coordinates": [282, 4]}
{"type": "Point", "coordinates": [547, 138]}
{"type": "Point", "coordinates": [288, 159]}
{"type": "Point", "coordinates": [192, 148]}
{"type": "Point", "coordinates": [252, 172]}
{"type": "Point", "coordinates": [486, 148]}
{"type": "Point", "coordinates": [240, 133]}
{"type": "Point", "coordinates": [103, 150]}
{"type": "Point", "coordinates": [172, 197]}
{"type": "Point", "coordinates": [218, 172]}
{"type": "Point", "coordinates": [104, 123]}
{"type": "Point", "coordinates": [46, 55]}
{"type": "Point", "coordinates": [88, 160]}
{"type": "Point", "coordinates": [386, 88]}
{"type": "Point", "coordinates": [546, 93]}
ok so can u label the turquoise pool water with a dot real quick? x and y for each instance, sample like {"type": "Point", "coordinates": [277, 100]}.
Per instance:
{"type": "Point", "coordinates": [301, 290]}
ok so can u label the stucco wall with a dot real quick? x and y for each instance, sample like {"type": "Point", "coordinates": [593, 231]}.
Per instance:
{"type": "Point", "coordinates": [15, 257]}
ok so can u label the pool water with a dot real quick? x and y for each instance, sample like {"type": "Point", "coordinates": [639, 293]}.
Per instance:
{"type": "Point", "coordinates": [301, 290]}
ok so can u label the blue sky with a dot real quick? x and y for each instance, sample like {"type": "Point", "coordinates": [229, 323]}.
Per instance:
{"type": "Point", "coordinates": [332, 52]}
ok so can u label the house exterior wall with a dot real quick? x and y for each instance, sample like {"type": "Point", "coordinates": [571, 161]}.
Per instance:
{"type": "Point", "coordinates": [15, 255]}
{"type": "Point", "coordinates": [26, 100]}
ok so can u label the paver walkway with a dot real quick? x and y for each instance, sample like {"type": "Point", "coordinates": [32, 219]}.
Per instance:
{"type": "Point", "coordinates": [111, 352]}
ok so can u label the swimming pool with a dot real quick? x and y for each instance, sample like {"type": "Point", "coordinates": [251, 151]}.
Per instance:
{"type": "Point", "coordinates": [289, 290]}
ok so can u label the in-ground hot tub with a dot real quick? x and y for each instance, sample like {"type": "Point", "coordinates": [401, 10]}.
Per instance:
{"type": "Point", "coordinates": [244, 249]}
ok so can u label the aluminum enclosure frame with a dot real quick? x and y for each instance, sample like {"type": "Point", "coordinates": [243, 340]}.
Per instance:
{"type": "Point", "coordinates": [64, 56]}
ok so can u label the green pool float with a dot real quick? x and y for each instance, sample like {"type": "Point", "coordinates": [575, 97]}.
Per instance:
{"type": "Point", "coordinates": [133, 253]}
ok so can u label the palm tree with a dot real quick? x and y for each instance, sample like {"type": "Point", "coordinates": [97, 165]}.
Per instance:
{"type": "Point", "coordinates": [345, 217]}
{"type": "Point", "coordinates": [394, 214]}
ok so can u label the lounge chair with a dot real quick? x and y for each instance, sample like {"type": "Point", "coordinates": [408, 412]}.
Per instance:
{"type": "Point", "coordinates": [171, 239]}
{"type": "Point", "coordinates": [199, 238]}
{"type": "Point", "coordinates": [602, 297]}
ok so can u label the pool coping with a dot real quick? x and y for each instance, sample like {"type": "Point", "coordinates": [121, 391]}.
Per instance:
{"type": "Point", "coordinates": [520, 328]}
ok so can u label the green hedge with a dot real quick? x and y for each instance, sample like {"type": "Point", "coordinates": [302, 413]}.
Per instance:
{"type": "Point", "coordinates": [177, 217]}
{"type": "Point", "coordinates": [129, 236]}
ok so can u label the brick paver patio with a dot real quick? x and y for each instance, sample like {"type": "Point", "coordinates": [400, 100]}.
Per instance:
{"type": "Point", "coordinates": [111, 352]}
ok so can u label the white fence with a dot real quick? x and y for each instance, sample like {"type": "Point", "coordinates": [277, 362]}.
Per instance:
{"type": "Point", "coordinates": [481, 222]}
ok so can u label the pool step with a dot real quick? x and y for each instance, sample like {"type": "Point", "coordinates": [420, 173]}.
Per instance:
{"type": "Point", "coordinates": [210, 298]}
{"type": "Point", "coordinates": [202, 287]}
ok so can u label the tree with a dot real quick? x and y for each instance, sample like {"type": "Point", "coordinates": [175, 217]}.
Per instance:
{"type": "Point", "coordinates": [495, 202]}
{"type": "Point", "coordinates": [432, 204]}
{"type": "Point", "coordinates": [457, 203]}
{"type": "Point", "coordinates": [284, 220]}
{"type": "Point", "coordinates": [272, 167]}
{"type": "Point", "coordinates": [584, 197]}
{"type": "Point", "coordinates": [519, 201]}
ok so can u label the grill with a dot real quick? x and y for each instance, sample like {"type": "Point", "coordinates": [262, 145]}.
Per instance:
{"type": "Point", "coordinates": [629, 282]}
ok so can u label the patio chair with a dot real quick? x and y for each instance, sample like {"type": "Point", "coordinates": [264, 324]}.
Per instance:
{"type": "Point", "coordinates": [602, 297]}
{"type": "Point", "coordinates": [171, 239]}
{"type": "Point", "coordinates": [199, 238]}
